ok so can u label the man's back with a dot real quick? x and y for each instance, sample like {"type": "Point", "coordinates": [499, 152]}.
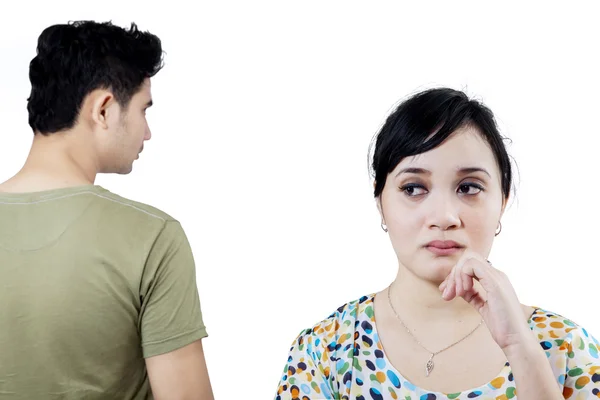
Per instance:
{"type": "Point", "coordinates": [91, 284]}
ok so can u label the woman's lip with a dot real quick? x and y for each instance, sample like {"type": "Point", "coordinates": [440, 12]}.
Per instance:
{"type": "Point", "coordinates": [443, 244]}
{"type": "Point", "coordinates": [443, 251]}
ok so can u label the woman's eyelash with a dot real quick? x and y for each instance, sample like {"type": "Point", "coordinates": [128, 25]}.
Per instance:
{"type": "Point", "coordinates": [472, 185]}
{"type": "Point", "coordinates": [410, 187]}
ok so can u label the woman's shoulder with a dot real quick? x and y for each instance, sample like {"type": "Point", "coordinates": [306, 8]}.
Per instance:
{"type": "Point", "coordinates": [558, 332]}
{"type": "Point", "coordinates": [547, 321]}
{"type": "Point", "coordinates": [339, 325]}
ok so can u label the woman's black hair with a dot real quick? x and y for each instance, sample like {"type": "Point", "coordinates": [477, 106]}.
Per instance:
{"type": "Point", "coordinates": [424, 121]}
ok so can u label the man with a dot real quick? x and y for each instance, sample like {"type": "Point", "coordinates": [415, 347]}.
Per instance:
{"type": "Point", "coordinates": [98, 292]}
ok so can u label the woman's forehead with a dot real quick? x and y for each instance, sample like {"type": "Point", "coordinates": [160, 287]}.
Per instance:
{"type": "Point", "coordinates": [465, 148]}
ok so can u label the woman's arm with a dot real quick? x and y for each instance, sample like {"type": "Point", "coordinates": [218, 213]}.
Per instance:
{"type": "Point", "coordinates": [534, 378]}
{"type": "Point", "coordinates": [501, 310]}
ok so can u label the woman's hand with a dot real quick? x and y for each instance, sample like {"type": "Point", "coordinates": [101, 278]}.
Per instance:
{"type": "Point", "coordinates": [497, 302]}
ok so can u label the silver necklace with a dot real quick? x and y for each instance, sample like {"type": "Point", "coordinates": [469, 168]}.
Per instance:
{"type": "Point", "coordinates": [430, 365]}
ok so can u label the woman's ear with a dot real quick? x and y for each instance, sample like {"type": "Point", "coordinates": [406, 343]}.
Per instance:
{"type": "Point", "coordinates": [379, 208]}
{"type": "Point", "coordinates": [378, 200]}
{"type": "Point", "coordinates": [504, 202]}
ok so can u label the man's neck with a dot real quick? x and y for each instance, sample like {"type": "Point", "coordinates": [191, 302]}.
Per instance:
{"type": "Point", "coordinates": [56, 161]}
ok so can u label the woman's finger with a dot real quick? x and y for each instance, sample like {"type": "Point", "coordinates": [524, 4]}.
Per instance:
{"type": "Point", "coordinates": [443, 285]}
{"type": "Point", "coordinates": [475, 268]}
{"type": "Point", "coordinates": [474, 298]}
{"type": "Point", "coordinates": [458, 281]}
{"type": "Point", "coordinates": [467, 282]}
{"type": "Point", "coordinates": [450, 291]}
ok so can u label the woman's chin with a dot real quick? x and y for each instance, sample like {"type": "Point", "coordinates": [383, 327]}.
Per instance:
{"type": "Point", "coordinates": [438, 270]}
{"type": "Point", "coordinates": [433, 270]}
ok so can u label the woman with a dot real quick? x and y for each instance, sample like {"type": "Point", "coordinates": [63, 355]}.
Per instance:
{"type": "Point", "coordinates": [450, 326]}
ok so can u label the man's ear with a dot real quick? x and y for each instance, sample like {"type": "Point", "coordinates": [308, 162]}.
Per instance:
{"type": "Point", "coordinates": [98, 106]}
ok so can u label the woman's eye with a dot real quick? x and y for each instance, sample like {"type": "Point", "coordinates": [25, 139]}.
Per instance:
{"type": "Point", "coordinates": [470, 188]}
{"type": "Point", "coordinates": [413, 190]}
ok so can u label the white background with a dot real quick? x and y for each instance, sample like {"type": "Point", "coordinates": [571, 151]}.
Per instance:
{"type": "Point", "coordinates": [262, 121]}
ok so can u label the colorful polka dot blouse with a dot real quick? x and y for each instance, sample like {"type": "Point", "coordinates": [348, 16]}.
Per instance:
{"type": "Point", "coordinates": [342, 358]}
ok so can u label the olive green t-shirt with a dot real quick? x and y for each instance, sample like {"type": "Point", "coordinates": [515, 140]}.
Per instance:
{"type": "Point", "coordinates": [91, 283]}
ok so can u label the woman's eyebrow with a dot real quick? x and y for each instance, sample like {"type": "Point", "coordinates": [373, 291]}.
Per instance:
{"type": "Point", "coordinates": [470, 170]}
{"type": "Point", "coordinates": [460, 170]}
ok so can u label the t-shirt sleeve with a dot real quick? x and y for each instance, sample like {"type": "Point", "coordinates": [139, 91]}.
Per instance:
{"type": "Point", "coordinates": [305, 376]}
{"type": "Point", "coordinates": [170, 314]}
{"type": "Point", "coordinates": [582, 380]}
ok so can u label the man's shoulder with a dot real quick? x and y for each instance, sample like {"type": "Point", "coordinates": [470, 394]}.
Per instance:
{"type": "Point", "coordinates": [135, 220]}
{"type": "Point", "coordinates": [134, 208]}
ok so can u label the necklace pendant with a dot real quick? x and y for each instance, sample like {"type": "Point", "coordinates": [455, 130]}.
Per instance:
{"type": "Point", "coordinates": [429, 366]}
